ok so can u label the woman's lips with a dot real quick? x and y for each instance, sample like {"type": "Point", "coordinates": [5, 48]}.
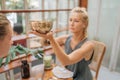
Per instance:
{"type": "Point", "coordinates": [71, 28]}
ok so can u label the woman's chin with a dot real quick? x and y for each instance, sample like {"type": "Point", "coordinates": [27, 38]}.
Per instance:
{"type": "Point", "coordinates": [72, 31]}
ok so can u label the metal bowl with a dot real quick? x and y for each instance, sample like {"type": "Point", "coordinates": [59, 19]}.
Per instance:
{"type": "Point", "coordinates": [42, 27]}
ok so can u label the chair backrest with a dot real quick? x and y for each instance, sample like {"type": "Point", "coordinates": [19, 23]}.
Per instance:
{"type": "Point", "coordinates": [99, 51]}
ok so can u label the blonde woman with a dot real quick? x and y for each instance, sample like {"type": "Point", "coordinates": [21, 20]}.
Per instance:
{"type": "Point", "coordinates": [78, 50]}
{"type": "Point", "coordinates": [5, 36]}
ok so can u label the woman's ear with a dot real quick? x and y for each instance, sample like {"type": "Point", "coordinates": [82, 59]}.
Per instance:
{"type": "Point", "coordinates": [84, 25]}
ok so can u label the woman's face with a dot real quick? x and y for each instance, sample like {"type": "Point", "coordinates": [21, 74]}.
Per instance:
{"type": "Point", "coordinates": [6, 42]}
{"type": "Point", "coordinates": [76, 25]}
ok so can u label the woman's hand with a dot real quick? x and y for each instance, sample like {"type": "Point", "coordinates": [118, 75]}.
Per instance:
{"type": "Point", "coordinates": [48, 35]}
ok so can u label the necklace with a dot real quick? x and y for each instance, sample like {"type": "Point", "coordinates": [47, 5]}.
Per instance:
{"type": "Point", "coordinates": [75, 42]}
{"type": "Point", "coordinates": [78, 40]}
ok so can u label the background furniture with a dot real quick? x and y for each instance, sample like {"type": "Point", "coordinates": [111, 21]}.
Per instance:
{"type": "Point", "coordinates": [99, 51]}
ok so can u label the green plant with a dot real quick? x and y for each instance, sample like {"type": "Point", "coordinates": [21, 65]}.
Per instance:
{"type": "Point", "coordinates": [18, 50]}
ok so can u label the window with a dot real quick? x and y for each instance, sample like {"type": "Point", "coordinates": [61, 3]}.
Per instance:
{"type": "Point", "coordinates": [0, 4]}
{"type": "Point", "coordinates": [14, 4]}
{"type": "Point", "coordinates": [58, 10]}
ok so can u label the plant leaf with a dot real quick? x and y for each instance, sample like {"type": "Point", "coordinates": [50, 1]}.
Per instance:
{"type": "Point", "coordinates": [22, 50]}
{"type": "Point", "coordinates": [13, 55]}
{"type": "Point", "coordinates": [7, 59]}
{"type": "Point", "coordinates": [38, 57]}
{"type": "Point", "coordinates": [1, 59]}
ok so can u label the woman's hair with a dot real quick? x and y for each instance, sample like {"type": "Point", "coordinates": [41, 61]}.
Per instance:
{"type": "Point", "coordinates": [83, 16]}
{"type": "Point", "coordinates": [4, 22]}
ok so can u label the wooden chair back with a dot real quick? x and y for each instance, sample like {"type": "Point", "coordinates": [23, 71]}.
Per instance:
{"type": "Point", "coordinates": [99, 51]}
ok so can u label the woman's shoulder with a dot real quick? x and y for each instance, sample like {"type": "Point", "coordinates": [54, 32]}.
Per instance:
{"type": "Point", "coordinates": [89, 43]}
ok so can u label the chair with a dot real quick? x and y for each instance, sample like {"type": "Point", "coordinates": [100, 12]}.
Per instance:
{"type": "Point", "coordinates": [99, 51]}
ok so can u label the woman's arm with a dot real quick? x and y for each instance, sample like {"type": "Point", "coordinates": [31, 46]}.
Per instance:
{"type": "Point", "coordinates": [61, 40]}
{"type": "Point", "coordinates": [73, 57]}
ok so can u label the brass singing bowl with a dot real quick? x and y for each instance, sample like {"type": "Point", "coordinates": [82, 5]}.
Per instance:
{"type": "Point", "coordinates": [42, 27]}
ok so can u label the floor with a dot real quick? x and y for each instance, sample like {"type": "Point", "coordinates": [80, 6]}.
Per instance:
{"type": "Point", "coordinates": [105, 74]}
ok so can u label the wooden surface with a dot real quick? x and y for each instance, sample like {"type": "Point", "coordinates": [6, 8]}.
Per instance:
{"type": "Point", "coordinates": [17, 62]}
{"type": "Point", "coordinates": [99, 51]}
{"type": "Point", "coordinates": [47, 75]}
{"type": "Point", "coordinates": [28, 11]}
{"type": "Point", "coordinates": [24, 36]}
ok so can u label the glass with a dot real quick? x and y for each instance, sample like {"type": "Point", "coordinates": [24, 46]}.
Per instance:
{"type": "Point", "coordinates": [37, 72]}
{"type": "Point", "coordinates": [0, 4]}
{"type": "Point", "coordinates": [14, 4]}
{"type": "Point", "coordinates": [47, 61]}
{"type": "Point", "coordinates": [7, 73]}
{"type": "Point", "coordinates": [18, 77]}
{"type": "Point", "coordinates": [48, 4]}
{"type": "Point", "coordinates": [37, 4]}
{"type": "Point", "coordinates": [64, 4]}
{"type": "Point", "coordinates": [17, 18]}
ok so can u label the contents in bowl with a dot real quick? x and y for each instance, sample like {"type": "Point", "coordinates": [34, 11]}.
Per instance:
{"type": "Point", "coordinates": [41, 26]}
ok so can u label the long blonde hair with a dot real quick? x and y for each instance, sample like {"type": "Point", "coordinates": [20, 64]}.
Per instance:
{"type": "Point", "coordinates": [84, 17]}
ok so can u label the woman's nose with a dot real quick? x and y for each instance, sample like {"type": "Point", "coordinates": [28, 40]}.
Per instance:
{"type": "Point", "coordinates": [71, 23]}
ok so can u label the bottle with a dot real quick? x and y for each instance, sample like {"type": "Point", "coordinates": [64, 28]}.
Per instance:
{"type": "Point", "coordinates": [25, 71]}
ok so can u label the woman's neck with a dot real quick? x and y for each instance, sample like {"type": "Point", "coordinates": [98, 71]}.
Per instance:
{"type": "Point", "coordinates": [78, 37]}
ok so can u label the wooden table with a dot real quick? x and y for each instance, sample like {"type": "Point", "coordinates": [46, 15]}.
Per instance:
{"type": "Point", "coordinates": [46, 75]}
{"type": "Point", "coordinates": [16, 63]}
{"type": "Point", "coordinates": [49, 75]}
{"type": "Point", "coordinates": [38, 73]}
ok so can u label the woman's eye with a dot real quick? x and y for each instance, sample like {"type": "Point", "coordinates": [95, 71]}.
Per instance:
{"type": "Point", "coordinates": [76, 20]}
{"type": "Point", "coordinates": [70, 20]}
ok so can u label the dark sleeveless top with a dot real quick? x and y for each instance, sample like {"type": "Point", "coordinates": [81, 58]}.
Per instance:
{"type": "Point", "coordinates": [80, 69]}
